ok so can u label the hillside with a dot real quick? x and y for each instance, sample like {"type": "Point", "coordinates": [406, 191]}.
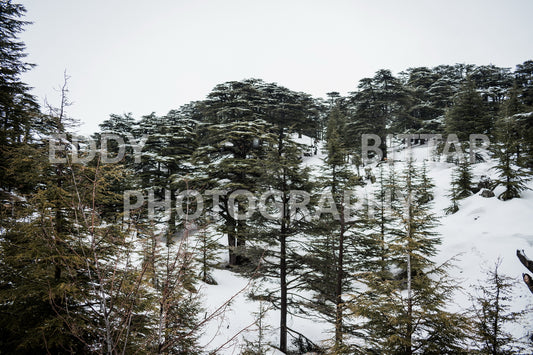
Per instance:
{"type": "Point", "coordinates": [475, 237]}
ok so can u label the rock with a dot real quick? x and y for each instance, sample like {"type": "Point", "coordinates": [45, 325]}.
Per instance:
{"type": "Point", "coordinates": [484, 182]}
{"type": "Point", "coordinates": [487, 193]}
{"type": "Point", "coordinates": [210, 280]}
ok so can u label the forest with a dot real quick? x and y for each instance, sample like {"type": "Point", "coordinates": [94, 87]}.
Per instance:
{"type": "Point", "coordinates": [108, 242]}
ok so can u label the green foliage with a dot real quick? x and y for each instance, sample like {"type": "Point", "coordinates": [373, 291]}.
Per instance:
{"type": "Point", "coordinates": [407, 313]}
{"type": "Point", "coordinates": [177, 324]}
{"type": "Point", "coordinates": [207, 255]}
{"type": "Point", "coordinates": [260, 345]}
{"type": "Point", "coordinates": [393, 323]}
{"type": "Point", "coordinates": [416, 236]}
{"type": "Point", "coordinates": [512, 176]}
{"type": "Point", "coordinates": [18, 108]}
{"type": "Point", "coordinates": [275, 237]}
{"type": "Point", "coordinates": [454, 196]}
{"type": "Point", "coordinates": [380, 102]}
{"type": "Point", "coordinates": [332, 255]}
{"type": "Point", "coordinates": [468, 115]}
{"type": "Point", "coordinates": [491, 308]}
{"type": "Point", "coordinates": [524, 76]}
{"type": "Point", "coordinates": [78, 278]}
{"type": "Point", "coordinates": [462, 180]}
{"type": "Point", "coordinates": [375, 228]}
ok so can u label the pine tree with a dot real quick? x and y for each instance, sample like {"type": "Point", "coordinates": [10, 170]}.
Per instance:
{"type": "Point", "coordinates": [286, 109]}
{"type": "Point", "coordinates": [72, 282]}
{"type": "Point", "coordinates": [463, 179]}
{"type": "Point", "coordinates": [491, 308]}
{"type": "Point", "coordinates": [46, 236]}
{"type": "Point", "coordinates": [454, 195]}
{"type": "Point", "coordinates": [234, 142]}
{"type": "Point", "coordinates": [468, 115]}
{"type": "Point", "coordinates": [332, 254]}
{"type": "Point", "coordinates": [492, 84]}
{"type": "Point", "coordinates": [523, 77]}
{"type": "Point", "coordinates": [246, 146]}
{"type": "Point", "coordinates": [260, 345]}
{"type": "Point", "coordinates": [87, 293]}
{"type": "Point", "coordinates": [177, 324]}
{"type": "Point", "coordinates": [512, 176]}
{"type": "Point", "coordinates": [375, 224]}
{"type": "Point", "coordinates": [180, 141]}
{"type": "Point", "coordinates": [288, 180]}
{"type": "Point", "coordinates": [207, 255]}
{"type": "Point", "coordinates": [152, 172]}
{"type": "Point", "coordinates": [233, 159]}
{"type": "Point", "coordinates": [442, 91]}
{"type": "Point", "coordinates": [425, 188]}
{"type": "Point", "coordinates": [380, 102]}
{"type": "Point", "coordinates": [21, 122]}
{"type": "Point", "coordinates": [121, 126]}
{"type": "Point", "coordinates": [18, 108]}
{"type": "Point", "coordinates": [392, 183]}
{"type": "Point", "coordinates": [424, 110]}
{"type": "Point", "coordinates": [407, 314]}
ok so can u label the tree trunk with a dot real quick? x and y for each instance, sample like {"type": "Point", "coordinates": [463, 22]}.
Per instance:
{"type": "Point", "coordinates": [283, 254]}
{"type": "Point", "coordinates": [409, 335]}
{"type": "Point", "coordinates": [283, 274]}
{"type": "Point", "coordinates": [230, 224]}
{"type": "Point", "coordinates": [283, 286]}
{"type": "Point", "coordinates": [408, 346]}
{"type": "Point", "coordinates": [338, 288]}
{"type": "Point", "coordinates": [383, 147]}
{"type": "Point", "coordinates": [172, 219]}
{"type": "Point", "coordinates": [240, 242]}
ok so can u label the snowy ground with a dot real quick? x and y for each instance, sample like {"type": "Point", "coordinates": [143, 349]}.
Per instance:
{"type": "Point", "coordinates": [483, 230]}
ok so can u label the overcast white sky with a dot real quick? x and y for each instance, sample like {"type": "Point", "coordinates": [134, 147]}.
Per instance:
{"type": "Point", "coordinates": [144, 56]}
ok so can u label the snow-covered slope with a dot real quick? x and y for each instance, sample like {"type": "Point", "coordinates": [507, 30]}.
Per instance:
{"type": "Point", "coordinates": [483, 230]}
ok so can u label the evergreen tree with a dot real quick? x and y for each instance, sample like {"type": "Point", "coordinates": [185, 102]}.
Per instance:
{"type": "Point", "coordinates": [260, 345]}
{"type": "Point", "coordinates": [430, 91]}
{"type": "Point", "coordinates": [286, 109]}
{"type": "Point", "coordinates": [14, 94]}
{"type": "Point", "coordinates": [288, 180]}
{"type": "Point", "coordinates": [492, 83]}
{"type": "Point", "coordinates": [468, 115]}
{"type": "Point", "coordinates": [235, 140]}
{"type": "Point", "coordinates": [152, 172]}
{"type": "Point", "coordinates": [522, 115]}
{"type": "Point", "coordinates": [80, 290]}
{"type": "Point", "coordinates": [407, 314]}
{"type": "Point", "coordinates": [180, 136]}
{"type": "Point", "coordinates": [524, 79]}
{"type": "Point", "coordinates": [233, 159]}
{"type": "Point", "coordinates": [18, 108]}
{"type": "Point", "coordinates": [454, 195]}
{"type": "Point", "coordinates": [491, 307]}
{"type": "Point", "coordinates": [463, 179]}
{"type": "Point", "coordinates": [380, 102]}
{"type": "Point", "coordinates": [512, 176]}
{"type": "Point", "coordinates": [425, 188]}
{"type": "Point", "coordinates": [51, 209]}
{"type": "Point", "coordinates": [376, 226]}
{"type": "Point", "coordinates": [443, 90]}
{"type": "Point", "coordinates": [177, 325]}
{"type": "Point", "coordinates": [332, 254]}
{"type": "Point", "coordinates": [287, 112]}
{"type": "Point", "coordinates": [207, 255]}
{"type": "Point", "coordinates": [121, 126]}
